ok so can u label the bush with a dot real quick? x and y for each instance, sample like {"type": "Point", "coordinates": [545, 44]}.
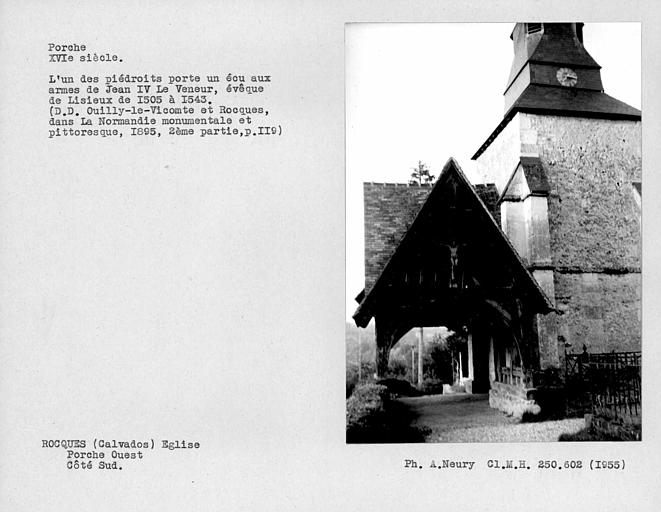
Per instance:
{"type": "Point", "coordinates": [398, 365]}
{"type": "Point", "coordinates": [432, 386]}
{"type": "Point", "coordinates": [352, 376]}
{"type": "Point", "coordinates": [399, 387]}
{"type": "Point", "coordinates": [351, 384]}
{"type": "Point", "coordinates": [441, 363]}
{"type": "Point", "coordinates": [373, 417]}
{"type": "Point", "coordinates": [366, 406]}
{"type": "Point", "coordinates": [587, 434]}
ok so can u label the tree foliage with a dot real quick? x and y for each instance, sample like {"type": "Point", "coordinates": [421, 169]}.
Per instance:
{"type": "Point", "coordinates": [421, 175]}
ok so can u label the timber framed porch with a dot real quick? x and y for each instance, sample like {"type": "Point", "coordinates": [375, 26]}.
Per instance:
{"type": "Point", "coordinates": [451, 265]}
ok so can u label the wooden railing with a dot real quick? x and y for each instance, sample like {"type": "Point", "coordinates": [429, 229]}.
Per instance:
{"type": "Point", "coordinates": [515, 377]}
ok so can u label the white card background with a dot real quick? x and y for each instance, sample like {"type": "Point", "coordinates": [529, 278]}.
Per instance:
{"type": "Point", "coordinates": [195, 289]}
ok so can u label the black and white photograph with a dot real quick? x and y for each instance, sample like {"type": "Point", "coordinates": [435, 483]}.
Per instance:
{"type": "Point", "coordinates": [494, 188]}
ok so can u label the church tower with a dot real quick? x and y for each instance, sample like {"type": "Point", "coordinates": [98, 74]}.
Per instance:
{"type": "Point", "coordinates": [566, 161]}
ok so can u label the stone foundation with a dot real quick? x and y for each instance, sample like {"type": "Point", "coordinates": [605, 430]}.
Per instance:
{"type": "Point", "coordinates": [600, 311]}
{"type": "Point", "coordinates": [512, 400]}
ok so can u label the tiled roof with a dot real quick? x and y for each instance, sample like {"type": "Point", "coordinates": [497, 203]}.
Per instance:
{"type": "Point", "coordinates": [535, 175]}
{"type": "Point", "coordinates": [489, 195]}
{"type": "Point", "coordinates": [383, 254]}
{"type": "Point", "coordinates": [390, 209]}
{"type": "Point", "coordinates": [557, 45]}
{"type": "Point", "coordinates": [537, 99]}
{"type": "Point", "coordinates": [558, 41]}
{"type": "Point", "coordinates": [536, 182]}
{"type": "Point", "coordinates": [541, 98]}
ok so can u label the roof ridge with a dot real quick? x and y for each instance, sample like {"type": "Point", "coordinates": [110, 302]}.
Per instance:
{"type": "Point", "coordinates": [396, 184]}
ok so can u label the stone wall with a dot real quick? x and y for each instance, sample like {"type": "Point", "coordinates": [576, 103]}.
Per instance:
{"type": "Point", "coordinates": [512, 400]}
{"type": "Point", "coordinates": [499, 160]}
{"type": "Point", "coordinates": [550, 350]}
{"type": "Point", "coordinates": [590, 164]}
{"type": "Point", "coordinates": [599, 310]}
{"type": "Point", "coordinates": [594, 225]}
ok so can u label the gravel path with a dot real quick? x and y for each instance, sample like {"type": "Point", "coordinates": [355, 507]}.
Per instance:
{"type": "Point", "coordinates": [463, 418]}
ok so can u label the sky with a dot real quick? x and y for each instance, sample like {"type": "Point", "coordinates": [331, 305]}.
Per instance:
{"type": "Point", "coordinates": [431, 91]}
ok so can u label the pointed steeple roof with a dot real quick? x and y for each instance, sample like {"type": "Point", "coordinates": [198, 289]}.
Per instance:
{"type": "Point", "coordinates": [553, 43]}
{"type": "Point", "coordinates": [552, 73]}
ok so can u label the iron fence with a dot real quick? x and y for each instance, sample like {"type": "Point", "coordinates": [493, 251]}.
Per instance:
{"type": "Point", "coordinates": [605, 383]}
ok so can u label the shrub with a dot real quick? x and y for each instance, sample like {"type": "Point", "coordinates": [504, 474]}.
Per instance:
{"type": "Point", "coordinates": [587, 435]}
{"type": "Point", "coordinates": [373, 417]}
{"type": "Point", "coordinates": [366, 407]}
{"type": "Point", "coordinates": [399, 387]}
{"type": "Point", "coordinates": [398, 365]}
{"type": "Point", "coordinates": [440, 360]}
{"type": "Point", "coordinates": [351, 382]}
{"type": "Point", "coordinates": [352, 376]}
{"type": "Point", "coordinates": [432, 386]}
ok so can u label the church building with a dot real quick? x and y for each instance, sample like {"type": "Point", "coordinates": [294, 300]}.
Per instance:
{"type": "Point", "coordinates": [544, 255]}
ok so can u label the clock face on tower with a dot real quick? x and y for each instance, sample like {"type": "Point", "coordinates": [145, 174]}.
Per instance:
{"type": "Point", "coordinates": [567, 77]}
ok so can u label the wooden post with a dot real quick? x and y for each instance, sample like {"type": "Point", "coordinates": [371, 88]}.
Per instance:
{"type": "Point", "coordinates": [461, 368]}
{"type": "Point", "coordinates": [471, 369]}
{"type": "Point", "coordinates": [388, 331]}
{"type": "Point", "coordinates": [382, 354]}
{"type": "Point", "coordinates": [384, 338]}
{"type": "Point", "coordinates": [420, 353]}
{"type": "Point", "coordinates": [360, 374]}
{"type": "Point", "coordinates": [412, 364]}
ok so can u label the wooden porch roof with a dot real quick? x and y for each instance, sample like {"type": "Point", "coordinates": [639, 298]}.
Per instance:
{"type": "Point", "coordinates": [452, 219]}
